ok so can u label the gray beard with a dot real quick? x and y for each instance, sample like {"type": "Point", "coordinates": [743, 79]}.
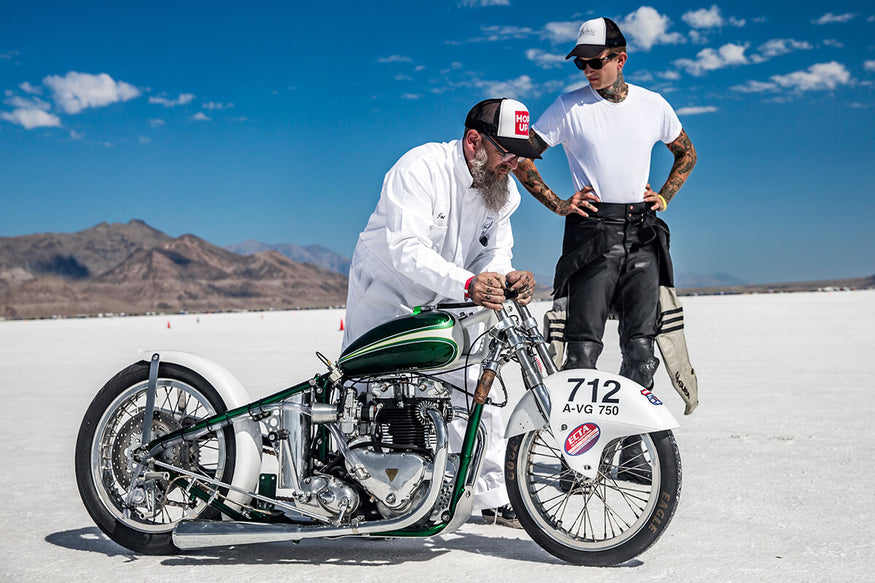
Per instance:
{"type": "Point", "coordinates": [492, 188]}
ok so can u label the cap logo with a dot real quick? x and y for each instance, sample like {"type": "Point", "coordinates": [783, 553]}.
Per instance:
{"type": "Point", "coordinates": [522, 123]}
{"type": "Point", "coordinates": [593, 32]}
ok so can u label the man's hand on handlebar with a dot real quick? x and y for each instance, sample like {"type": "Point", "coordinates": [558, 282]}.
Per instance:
{"type": "Point", "coordinates": [523, 284]}
{"type": "Point", "coordinates": [490, 289]}
{"type": "Point", "coordinates": [487, 290]}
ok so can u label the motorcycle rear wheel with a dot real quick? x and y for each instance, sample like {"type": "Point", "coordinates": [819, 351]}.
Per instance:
{"type": "Point", "coordinates": [601, 522]}
{"type": "Point", "coordinates": [112, 429]}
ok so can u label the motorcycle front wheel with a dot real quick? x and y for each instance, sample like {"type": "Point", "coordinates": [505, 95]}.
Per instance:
{"type": "Point", "coordinates": [135, 509]}
{"type": "Point", "coordinates": [600, 522]}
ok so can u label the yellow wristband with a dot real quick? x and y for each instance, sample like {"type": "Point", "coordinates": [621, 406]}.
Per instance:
{"type": "Point", "coordinates": [662, 198]}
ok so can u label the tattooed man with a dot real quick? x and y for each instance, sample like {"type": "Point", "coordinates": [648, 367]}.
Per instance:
{"type": "Point", "coordinates": [441, 232]}
{"type": "Point", "coordinates": [615, 250]}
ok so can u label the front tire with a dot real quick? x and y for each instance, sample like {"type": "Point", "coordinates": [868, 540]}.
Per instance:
{"type": "Point", "coordinates": [601, 522]}
{"type": "Point", "coordinates": [111, 430]}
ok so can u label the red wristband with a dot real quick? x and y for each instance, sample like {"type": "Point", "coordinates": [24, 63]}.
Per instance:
{"type": "Point", "coordinates": [467, 284]}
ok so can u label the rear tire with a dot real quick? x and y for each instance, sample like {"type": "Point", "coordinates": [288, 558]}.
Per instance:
{"type": "Point", "coordinates": [111, 430]}
{"type": "Point", "coordinates": [601, 522]}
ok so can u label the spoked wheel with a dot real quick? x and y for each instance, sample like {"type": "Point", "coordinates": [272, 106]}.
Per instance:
{"type": "Point", "coordinates": [137, 505]}
{"type": "Point", "coordinates": [599, 522]}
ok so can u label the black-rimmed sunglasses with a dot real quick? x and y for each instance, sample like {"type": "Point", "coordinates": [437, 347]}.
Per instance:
{"type": "Point", "coordinates": [505, 155]}
{"type": "Point", "coordinates": [594, 64]}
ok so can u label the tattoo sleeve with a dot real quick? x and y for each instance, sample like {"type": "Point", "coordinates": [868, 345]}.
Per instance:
{"type": "Point", "coordinates": [530, 178]}
{"type": "Point", "coordinates": [684, 160]}
{"type": "Point", "coordinates": [528, 175]}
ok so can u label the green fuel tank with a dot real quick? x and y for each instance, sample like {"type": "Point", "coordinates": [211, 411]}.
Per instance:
{"type": "Point", "coordinates": [425, 340]}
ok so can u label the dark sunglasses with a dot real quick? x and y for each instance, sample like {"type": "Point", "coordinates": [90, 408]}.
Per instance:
{"type": "Point", "coordinates": [594, 64]}
{"type": "Point", "coordinates": [505, 155]}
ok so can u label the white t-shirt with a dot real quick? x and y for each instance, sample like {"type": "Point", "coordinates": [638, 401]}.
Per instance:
{"type": "Point", "coordinates": [608, 145]}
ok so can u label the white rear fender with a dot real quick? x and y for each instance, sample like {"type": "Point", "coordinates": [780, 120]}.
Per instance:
{"type": "Point", "coordinates": [247, 432]}
{"type": "Point", "coordinates": [589, 409]}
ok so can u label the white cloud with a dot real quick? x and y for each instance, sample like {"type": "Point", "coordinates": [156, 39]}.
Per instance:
{"type": "Point", "coordinates": [513, 88]}
{"type": "Point", "coordinates": [830, 42]}
{"type": "Point", "coordinates": [830, 18]}
{"type": "Point", "coordinates": [25, 102]}
{"type": "Point", "coordinates": [31, 118]}
{"type": "Point", "coordinates": [561, 32]}
{"type": "Point", "coordinates": [817, 77]}
{"type": "Point", "coordinates": [76, 136]}
{"type": "Point", "coordinates": [822, 76]}
{"type": "Point", "coordinates": [523, 87]}
{"type": "Point", "coordinates": [647, 27]}
{"type": "Point", "coordinates": [28, 88]}
{"type": "Point", "coordinates": [736, 22]}
{"type": "Point", "coordinates": [755, 87]}
{"type": "Point", "coordinates": [782, 46]}
{"type": "Point", "coordinates": [395, 59]}
{"type": "Point", "coordinates": [200, 116]}
{"type": "Point", "coordinates": [145, 140]}
{"type": "Point", "coordinates": [704, 18]}
{"type": "Point", "coordinates": [157, 122]}
{"type": "Point", "coordinates": [696, 110]}
{"type": "Point", "coordinates": [181, 100]}
{"type": "Point", "coordinates": [545, 60]}
{"type": "Point", "coordinates": [711, 60]}
{"type": "Point", "coordinates": [497, 33]}
{"type": "Point", "coordinates": [77, 91]}
{"type": "Point", "coordinates": [213, 105]}
{"type": "Point", "coordinates": [483, 3]}
{"type": "Point", "coordinates": [698, 38]}
{"type": "Point", "coordinates": [8, 56]}
{"type": "Point", "coordinates": [411, 96]}
{"type": "Point", "coordinates": [869, 65]}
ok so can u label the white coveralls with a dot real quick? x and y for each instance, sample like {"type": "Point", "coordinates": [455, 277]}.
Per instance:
{"type": "Point", "coordinates": [429, 234]}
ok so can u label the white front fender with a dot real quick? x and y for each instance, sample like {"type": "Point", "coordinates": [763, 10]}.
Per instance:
{"type": "Point", "coordinates": [247, 433]}
{"type": "Point", "coordinates": [589, 409]}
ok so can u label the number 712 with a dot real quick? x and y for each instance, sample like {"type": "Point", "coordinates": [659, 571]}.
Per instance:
{"type": "Point", "coordinates": [611, 386]}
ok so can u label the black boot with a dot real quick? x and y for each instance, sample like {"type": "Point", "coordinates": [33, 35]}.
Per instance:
{"type": "Point", "coordinates": [639, 364]}
{"type": "Point", "coordinates": [633, 465]}
{"type": "Point", "coordinates": [581, 354]}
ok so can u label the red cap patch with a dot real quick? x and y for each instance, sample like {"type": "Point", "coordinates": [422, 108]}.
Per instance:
{"type": "Point", "coordinates": [522, 123]}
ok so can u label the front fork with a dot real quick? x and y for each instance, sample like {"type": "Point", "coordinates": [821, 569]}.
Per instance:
{"type": "Point", "coordinates": [532, 375]}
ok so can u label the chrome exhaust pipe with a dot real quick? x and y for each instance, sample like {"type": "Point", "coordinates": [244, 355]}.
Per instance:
{"type": "Point", "coordinates": [198, 534]}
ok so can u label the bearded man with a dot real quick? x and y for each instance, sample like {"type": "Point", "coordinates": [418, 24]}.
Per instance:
{"type": "Point", "coordinates": [441, 232]}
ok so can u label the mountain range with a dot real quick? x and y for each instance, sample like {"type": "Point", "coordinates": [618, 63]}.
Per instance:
{"type": "Point", "coordinates": [315, 254]}
{"type": "Point", "coordinates": [134, 268]}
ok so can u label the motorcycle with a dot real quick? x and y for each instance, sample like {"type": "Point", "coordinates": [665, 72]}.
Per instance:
{"type": "Point", "coordinates": [172, 454]}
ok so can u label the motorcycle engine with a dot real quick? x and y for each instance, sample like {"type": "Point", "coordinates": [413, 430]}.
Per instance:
{"type": "Point", "coordinates": [385, 444]}
{"type": "Point", "coordinates": [400, 422]}
{"type": "Point", "coordinates": [392, 441]}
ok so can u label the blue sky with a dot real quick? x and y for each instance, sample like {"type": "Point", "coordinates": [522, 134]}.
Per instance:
{"type": "Point", "coordinates": [277, 121]}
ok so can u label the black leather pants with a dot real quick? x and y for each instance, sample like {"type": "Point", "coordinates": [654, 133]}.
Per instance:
{"type": "Point", "coordinates": [626, 278]}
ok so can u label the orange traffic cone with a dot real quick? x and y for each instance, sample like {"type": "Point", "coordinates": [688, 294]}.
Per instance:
{"type": "Point", "coordinates": [168, 324]}
{"type": "Point", "coordinates": [341, 324]}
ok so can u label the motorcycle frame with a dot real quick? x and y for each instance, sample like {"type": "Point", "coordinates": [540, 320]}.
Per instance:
{"type": "Point", "coordinates": [505, 337]}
